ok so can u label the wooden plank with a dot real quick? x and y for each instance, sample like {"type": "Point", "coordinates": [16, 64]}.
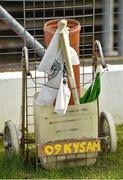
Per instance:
{"type": "Point", "coordinates": [75, 123]}
{"type": "Point", "coordinates": [69, 147]}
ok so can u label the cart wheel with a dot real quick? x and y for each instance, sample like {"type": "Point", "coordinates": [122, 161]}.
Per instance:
{"type": "Point", "coordinates": [108, 131]}
{"type": "Point", "coordinates": [11, 141]}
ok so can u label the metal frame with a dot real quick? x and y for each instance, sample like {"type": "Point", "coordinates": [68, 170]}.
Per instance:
{"type": "Point", "coordinates": [33, 23]}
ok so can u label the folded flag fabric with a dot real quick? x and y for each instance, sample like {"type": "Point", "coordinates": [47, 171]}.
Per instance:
{"type": "Point", "coordinates": [53, 63]}
{"type": "Point", "coordinates": [63, 98]}
{"type": "Point", "coordinates": [93, 91]}
{"type": "Point", "coordinates": [49, 90]}
{"type": "Point", "coordinates": [50, 54]}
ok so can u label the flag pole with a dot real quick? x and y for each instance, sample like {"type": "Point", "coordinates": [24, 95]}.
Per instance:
{"type": "Point", "coordinates": [64, 44]}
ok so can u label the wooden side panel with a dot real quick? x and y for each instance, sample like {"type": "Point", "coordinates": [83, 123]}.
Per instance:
{"type": "Point", "coordinates": [79, 121]}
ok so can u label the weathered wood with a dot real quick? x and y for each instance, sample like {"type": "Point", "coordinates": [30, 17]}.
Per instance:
{"type": "Point", "coordinates": [80, 121]}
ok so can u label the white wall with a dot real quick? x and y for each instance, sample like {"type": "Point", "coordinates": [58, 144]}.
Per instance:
{"type": "Point", "coordinates": [10, 98]}
{"type": "Point", "coordinates": [111, 97]}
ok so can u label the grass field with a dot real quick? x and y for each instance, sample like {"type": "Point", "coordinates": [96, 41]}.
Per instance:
{"type": "Point", "coordinates": [109, 168]}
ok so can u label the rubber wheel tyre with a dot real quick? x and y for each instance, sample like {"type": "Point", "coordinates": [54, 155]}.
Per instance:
{"type": "Point", "coordinates": [11, 141]}
{"type": "Point", "coordinates": [107, 131]}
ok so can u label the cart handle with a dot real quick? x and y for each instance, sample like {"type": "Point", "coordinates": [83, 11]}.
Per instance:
{"type": "Point", "coordinates": [96, 45]}
{"type": "Point", "coordinates": [25, 57]}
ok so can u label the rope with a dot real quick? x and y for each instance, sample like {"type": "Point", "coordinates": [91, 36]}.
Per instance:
{"type": "Point", "coordinates": [91, 80]}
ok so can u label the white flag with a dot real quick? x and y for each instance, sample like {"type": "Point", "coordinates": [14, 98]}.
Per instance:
{"type": "Point", "coordinates": [50, 54]}
{"type": "Point", "coordinates": [49, 90]}
{"type": "Point", "coordinates": [53, 64]}
{"type": "Point", "coordinates": [63, 98]}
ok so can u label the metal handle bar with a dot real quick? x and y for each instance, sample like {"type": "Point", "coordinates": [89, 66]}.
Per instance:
{"type": "Point", "coordinates": [96, 45]}
{"type": "Point", "coordinates": [21, 32]}
{"type": "Point", "coordinates": [26, 59]}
